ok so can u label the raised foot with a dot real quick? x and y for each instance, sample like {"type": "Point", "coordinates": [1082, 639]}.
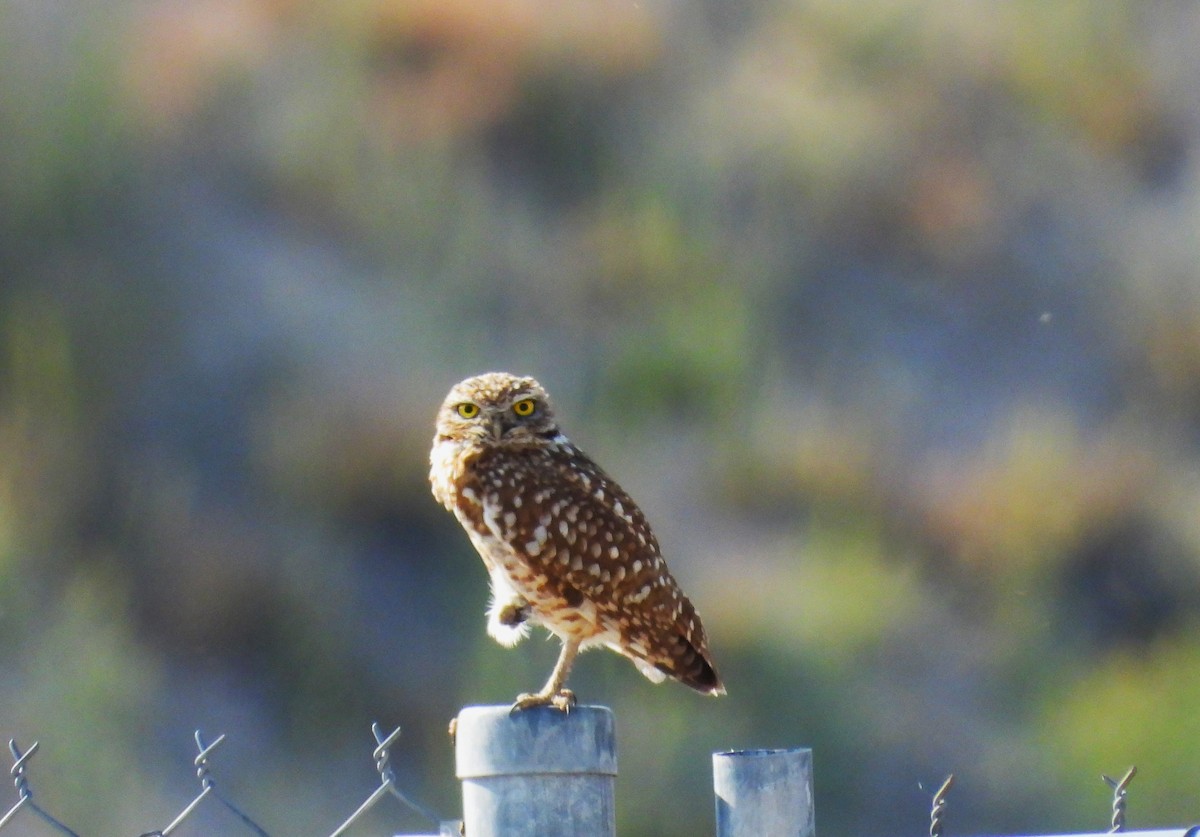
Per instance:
{"type": "Point", "coordinates": [514, 613]}
{"type": "Point", "coordinates": [563, 700]}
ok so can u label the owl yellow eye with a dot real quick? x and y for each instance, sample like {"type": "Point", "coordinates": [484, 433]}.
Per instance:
{"type": "Point", "coordinates": [467, 409]}
{"type": "Point", "coordinates": [524, 407]}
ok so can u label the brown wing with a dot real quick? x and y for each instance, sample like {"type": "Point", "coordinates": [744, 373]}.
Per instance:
{"type": "Point", "coordinates": [579, 528]}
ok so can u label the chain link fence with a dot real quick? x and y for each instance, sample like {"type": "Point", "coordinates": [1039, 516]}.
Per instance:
{"type": "Point", "coordinates": [27, 808]}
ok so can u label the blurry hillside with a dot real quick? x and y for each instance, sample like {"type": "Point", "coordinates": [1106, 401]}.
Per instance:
{"type": "Point", "coordinates": [888, 313]}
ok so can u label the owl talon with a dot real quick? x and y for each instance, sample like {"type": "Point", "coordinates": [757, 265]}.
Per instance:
{"type": "Point", "coordinates": [563, 700]}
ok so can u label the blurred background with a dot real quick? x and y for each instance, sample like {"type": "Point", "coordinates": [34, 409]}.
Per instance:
{"type": "Point", "coordinates": [887, 313]}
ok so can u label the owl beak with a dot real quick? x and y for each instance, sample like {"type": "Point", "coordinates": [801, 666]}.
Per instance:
{"type": "Point", "coordinates": [497, 428]}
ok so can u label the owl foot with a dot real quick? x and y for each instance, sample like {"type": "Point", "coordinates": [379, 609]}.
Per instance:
{"type": "Point", "coordinates": [563, 700]}
{"type": "Point", "coordinates": [514, 613]}
{"type": "Point", "coordinates": [508, 618]}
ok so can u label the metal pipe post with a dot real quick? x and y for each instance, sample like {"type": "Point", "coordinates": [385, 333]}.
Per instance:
{"type": "Point", "coordinates": [764, 792]}
{"type": "Point", "coordinates": [538, 772]}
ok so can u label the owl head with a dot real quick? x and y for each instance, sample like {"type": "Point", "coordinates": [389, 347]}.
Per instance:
{"type": "Point", "coordinates": [497, 410]}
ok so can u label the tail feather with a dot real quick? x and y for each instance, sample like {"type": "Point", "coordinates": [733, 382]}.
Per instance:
{"type": "Point", "coordinates": [692, 667]}
{"type": "Point", "coordinates": [674, 648]}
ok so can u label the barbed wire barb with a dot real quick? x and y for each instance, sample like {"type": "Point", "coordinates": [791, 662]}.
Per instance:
{"type": "Point", "coordinates": [24, 794]}
{"type": "Point", "coordinates": [387, 777]}
{"type": "Point", "coordinates": [207, 788]}
{"type": "Point", "coordinates": [1120, 788]}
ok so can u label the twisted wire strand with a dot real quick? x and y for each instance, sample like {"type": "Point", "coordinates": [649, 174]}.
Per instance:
{"type": "Point", "coordinates": [1120, 788]}
{"type": "Point", "coordinates": [24, 793]}
{"type": "Point", "coordinates": [937, 814]}
{"type": "Point", "coordinates": [207, 788]}
{"type": "Point", "coordinates": [387, 778]}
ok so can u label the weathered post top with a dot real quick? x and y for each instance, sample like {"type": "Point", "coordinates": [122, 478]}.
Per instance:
{"type": "Point", "coordinates": [764, 792]}
{"type": "Point", "coordinates": [539, 772]}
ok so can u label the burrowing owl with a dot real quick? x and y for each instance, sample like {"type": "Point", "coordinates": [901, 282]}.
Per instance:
{"type": "Point", "coordinates": [564, 546]}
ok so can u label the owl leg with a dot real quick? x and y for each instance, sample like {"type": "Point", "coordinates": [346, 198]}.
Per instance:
{"type": "Point", "coordinates": [553, 693]}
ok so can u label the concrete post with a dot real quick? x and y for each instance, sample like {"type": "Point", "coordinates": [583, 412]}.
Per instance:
{"type": "Point", "coordinates": [537, 773]}
{"type": "Point", "coordinates": [762, 792]}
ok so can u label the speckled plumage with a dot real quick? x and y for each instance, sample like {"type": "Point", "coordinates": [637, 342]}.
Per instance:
{"type": "Point", "coordinates": [565, 547]}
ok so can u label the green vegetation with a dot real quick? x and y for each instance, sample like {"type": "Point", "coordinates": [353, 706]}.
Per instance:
{"type": "Point", "coordinates": [888, 313]}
